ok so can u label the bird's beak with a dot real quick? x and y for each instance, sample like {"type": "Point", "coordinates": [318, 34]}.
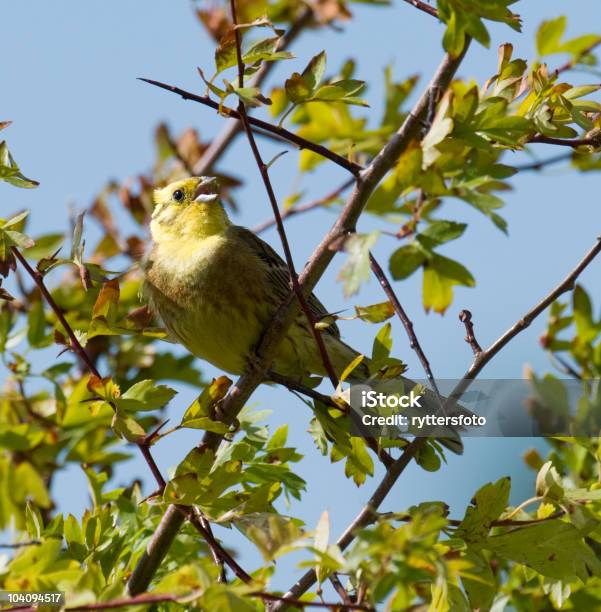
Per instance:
{"type": "Point", "coordinates": [207, 184]}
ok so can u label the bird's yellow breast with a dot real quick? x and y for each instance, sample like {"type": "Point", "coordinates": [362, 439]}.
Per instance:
{"type": "Point", "coordinates": [211, 296]}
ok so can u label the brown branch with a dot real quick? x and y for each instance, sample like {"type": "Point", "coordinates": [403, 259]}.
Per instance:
{"type": "Point", "coordinates": [303, 208]}
{"type": "Point", "coordinates": [264, 171]}
{"type": "Point", "coordinates": [255, 374]}
{"type": "Point", "coordinates": [465, 316]}
{"type": "Point", "coordinates": [543, 163]}
{"type": "Point", "coordinates": [593, 141]}
{"type": "Point", "coordinates": [283, 133]}
{"type": "Point", "coordinates": [571, 63]}
{"type": "Point", "coordinates": [20, 544]}
{"type": "Point", "coordinates": [422, 6]}
{"type": "Point", "coordinates": [566, 285]}
{"type": "Point", "coordinates": [299, 603]}
{"type": "Point", "coordinates": [232, 128]}
{"type": "Point", "coordinates": [339, 588]}
{"type": "Point", "coordinates": [405, 320]}
{"type": "Point", "coordinates": [366, 515]}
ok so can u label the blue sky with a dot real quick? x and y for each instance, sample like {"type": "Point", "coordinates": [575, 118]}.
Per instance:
{"type": "Point", "coordinates": [80, 117]}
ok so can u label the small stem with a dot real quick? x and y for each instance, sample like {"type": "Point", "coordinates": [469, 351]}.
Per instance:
{"type": "Point", "coordinates": [465, 316]}
{"type": "Point", "coordinates": [405, 320]}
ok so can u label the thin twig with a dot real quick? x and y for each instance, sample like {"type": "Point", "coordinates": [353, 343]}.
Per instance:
{"type": "Point", "coordinates": [465, 316]}
{"type": "Point", "coordinates": [283, 133]}
{"type": "Point", "coordinates": [422, 6]}
{"type": "Point", "coordinates": [20, 544]}
{"type": "Point", "coordinates": [405, 320]}
{"type": "Point", "coordinates": [263, 169]}
{"type": "Point", "coordinates": [303, 208]}
{"type": "Point", "coordinates": [565, 142]}
{"type": "Point", "coordinates": [572, 62]}
{"type": "Point", "coordinates": [543, 163]}
{"type": "Point", "coordinates": [339, 588]}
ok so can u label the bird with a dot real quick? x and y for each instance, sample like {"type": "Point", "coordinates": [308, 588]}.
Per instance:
{"type": "Point", "coordinates": [216, 286]}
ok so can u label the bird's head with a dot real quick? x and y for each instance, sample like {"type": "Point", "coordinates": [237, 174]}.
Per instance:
{"type": "Point", "coordinates": [190, 207]}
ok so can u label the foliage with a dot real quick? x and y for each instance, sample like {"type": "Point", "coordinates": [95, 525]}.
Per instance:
{"type": "Point", "coordinates": [56, 417]}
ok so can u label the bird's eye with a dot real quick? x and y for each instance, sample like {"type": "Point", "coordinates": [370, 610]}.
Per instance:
{"type": "Point", "coordinates": [178, 195]}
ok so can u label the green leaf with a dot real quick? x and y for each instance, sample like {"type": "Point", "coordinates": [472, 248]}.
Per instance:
{"type": "Point", "coordinates": [382, 345]}
{"type": "Point", "coordinates": [549, 484]}
{"type": "Point", "coordinates": [441, 274]}
{"type": "Point", "coordinates": [376, 313]}
{"type": "Point", "coordinates": [478, 581]}
{"type": "Point", "coordinates": [272, 534]}
{"type": "Point", "coordinates": [548, 35]}
{"type": "Point", "coordinates": [146, 395]}
{"type": "Point", "coordinates": [440, 232]}
{"type": "Point", "coordinates": [553, 548]}
{"type": "Point", "coordinates": [200, 414]}
{"type": "Point", "coordinates": [487, 505]}
{"type": "Point", "coordinates": [36, 325]}
{"type": "Point", "coordinates": [300, 87]}
{"type": "Point", "coordinates": [10, 172]}
{"type": "Point", "coordinates": [128, 428]}
{"type": "Point", "coordinates": [405, 261]}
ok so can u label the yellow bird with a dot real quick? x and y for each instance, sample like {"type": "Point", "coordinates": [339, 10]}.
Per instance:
{"type": "Point", "coordinates": [216, 286]}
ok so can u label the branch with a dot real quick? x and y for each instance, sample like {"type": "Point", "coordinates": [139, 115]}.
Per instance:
{"type": "Point", "coordinates": [283, 133]}
{"type": "Point", "coordinates": [571, 63]}
{"type": "Point", "coordinates": [543, 163]}
{"type": "Point", "coordinates": [465, 316]}
{"type": "Point", "coordinates": [303, 208]}
{"type": "Point", "coordinates": [593, 141]}
{"type": "Point", "coordinates": [405, 320]}
{"type": "Point", "coordinates": [256, 371]}
{"type": "Point", "coordinates": [566, 285]}
{"type": "Point", "coordinates": [422, 6]}
{"type": "Point", "coordinates": [263, 169]}
{"type": "Point", "coordinates": [231, 129]}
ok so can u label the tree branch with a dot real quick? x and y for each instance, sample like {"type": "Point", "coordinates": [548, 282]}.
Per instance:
{"type": "Point", "coordinates": [543, 163]}
{"type": "Point", "coordinates": [465, 316]}
{"type": "Point", "coordinates": [405, 320]}
{"type": "Point", "coordinates": [281, 132]}
{"type": "Point", "coordinates": [593, 141]}
{"type": "Point", "coordinates": [422, 6]}
{"type": "Point", "coordinates": [264, 171]}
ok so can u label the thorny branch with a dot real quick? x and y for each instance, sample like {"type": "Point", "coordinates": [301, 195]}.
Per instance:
{"type": "Point", "coordinates": [465, 316]}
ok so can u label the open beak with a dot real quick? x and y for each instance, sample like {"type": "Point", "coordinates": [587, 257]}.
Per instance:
{"type": "Point", "coordinates": [204, 190]}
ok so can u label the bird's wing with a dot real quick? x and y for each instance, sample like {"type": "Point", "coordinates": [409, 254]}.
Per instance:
{"type": "Point", "coordinates": [279, 275]}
